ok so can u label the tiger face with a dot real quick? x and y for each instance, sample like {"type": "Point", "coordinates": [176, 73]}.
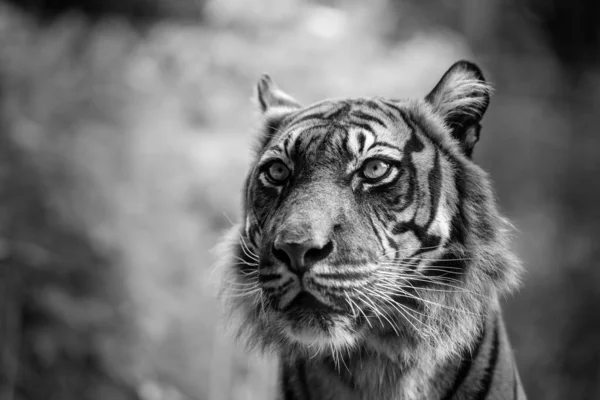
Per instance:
{"type": "Point", "coordinates": [363, 218]}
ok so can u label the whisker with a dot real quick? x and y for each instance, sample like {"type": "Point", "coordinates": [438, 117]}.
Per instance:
{"type": "Point", "coordinates": [247, 251]}
{"type": "Point", "coordinates": [442, 282]}
{"type": "Point", "coordinates": [245, 244]}
{"type": "Point", "coordinates": [354, 315]}
{"type": "Point", "coordinates": [439, 279]}
{"type": "Point", "coordinates": [242, 284]}
{"type": "Point", "coordinates": [334, 357]}
{"type": "Point", "coordinates": [249, 273]}
{"type": "Point", "coordinates": [398, 264]}
{"type": "Point", "coordinates": [430, 332]}
{"type": "Point", "coordinates": [440, 259]}
{"type": "Point", "coordinates": [242, 261]}
{"type": "Point", "coordinates": [227, 218]}
{"type": "Point", "coordinates": [399, 290]}
{"type": "Point", "coordinates": [402, 275]}
{"type": "Point", "coordinates": [341, 356]}
{"type": "Point", "coordinates": [414, 249]}
{"type": "Point", "coordinates": [349, 301]}
{"type": "Point", "coordinates": [457, 290]}
{"type": "Point", "coordinates": [246, 293]}
{"type": "Point", "coordinates": [387, 300]}
{"type": "Point", "coordinates": [274, 129]}
{"type": "Point", "coordinates": [372, 306]}
{"type": "Point", "coordinates": [378, 312]}
{"type": "Point", "coordinates": [241, 287]}
{"type": "Point", "coordinates": [399, 274]}
{"type": "Point", "coordinates": [317, 352]}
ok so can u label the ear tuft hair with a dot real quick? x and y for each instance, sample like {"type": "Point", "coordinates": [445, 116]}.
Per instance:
{"type": "Point", "coordinates": [461, 98]}
{"type": "Point", "coordinates": [274, 105]}
{"type": "Point", "coordinates": [269, 96]}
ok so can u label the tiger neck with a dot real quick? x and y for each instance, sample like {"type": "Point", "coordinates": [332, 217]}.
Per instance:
{"type": "Point", "coordinates": [362, 375]}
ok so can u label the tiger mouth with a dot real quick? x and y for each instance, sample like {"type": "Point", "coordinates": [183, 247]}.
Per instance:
{"type": "Point", "coordinates": [305, 301]}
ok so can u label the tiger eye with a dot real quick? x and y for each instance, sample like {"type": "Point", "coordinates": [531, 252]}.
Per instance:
{"type": "Point", "coordinates": [278, 172]}
{"type": "Point", "coordinates": [375, 169]}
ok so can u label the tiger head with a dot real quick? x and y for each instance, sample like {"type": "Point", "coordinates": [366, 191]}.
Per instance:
{"type": "Point", "coordinates": [368, 226]}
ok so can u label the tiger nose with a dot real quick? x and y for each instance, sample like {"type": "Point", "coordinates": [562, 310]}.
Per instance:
{"type": "Point", "coordinates": [300, 256]}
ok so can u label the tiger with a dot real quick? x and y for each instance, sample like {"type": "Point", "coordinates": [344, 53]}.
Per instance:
{"type": "Point", "coordinates": [371, 257]}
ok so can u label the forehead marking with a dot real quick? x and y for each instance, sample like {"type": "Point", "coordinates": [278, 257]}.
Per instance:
{"type": "Point", "coordinates": [368, 126]}
{"type": "Point", "coordinates": [359, 140]}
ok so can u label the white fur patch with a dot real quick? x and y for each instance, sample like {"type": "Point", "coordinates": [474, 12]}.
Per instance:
{"type": "Point", "coordinates": [459, 95]}
{"type": "Point", "coordinates": [340, 336]}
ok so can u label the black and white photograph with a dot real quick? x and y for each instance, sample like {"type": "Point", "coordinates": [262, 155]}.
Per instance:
{"type": "Point", "coordinates": [299, 200]}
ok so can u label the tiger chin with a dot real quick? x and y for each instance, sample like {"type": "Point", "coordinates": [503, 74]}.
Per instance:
{"type": "Point", "coordinates": [371, 256]}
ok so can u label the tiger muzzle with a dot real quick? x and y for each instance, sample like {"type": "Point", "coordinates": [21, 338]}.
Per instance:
{"type": "Point", "coordinates": [300, 254]}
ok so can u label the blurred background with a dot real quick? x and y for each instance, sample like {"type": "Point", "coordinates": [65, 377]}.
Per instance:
{"type": "Point", "coordinates": [125, 132]}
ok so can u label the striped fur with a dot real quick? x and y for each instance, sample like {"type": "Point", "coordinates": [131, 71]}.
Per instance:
{"type": "Point", "coordinates": [372, 255]}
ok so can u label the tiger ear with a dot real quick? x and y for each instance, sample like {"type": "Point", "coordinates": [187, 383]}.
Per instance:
{"type": "Point", "coordinates": [461, 98]}
{"type": "Point", "coordinates": [274, 105]}
{"type": "Point", "coordinates": [270, 98]}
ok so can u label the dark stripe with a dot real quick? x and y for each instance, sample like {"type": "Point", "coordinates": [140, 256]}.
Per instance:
{"type": "Point", "coordinates": [308, 111]}
{"type": "Point", "coordinates": [296, 148]}
{"type": "Point", "coordinates": [376, 232]}
{"type": "Point", "coordinates": [364, 126]}
{"type": "Point", "coordinates": [337, 113]}
{"type": "Point", "coordinates": [312, 140]}
{"type": "Point", "coordinates": [486, 382]}
{"type": "Point", "coordinates": [368, 117]}
{"type": "Point", "coordinates": [344, 145]}
{"type": "Point", "coordinates": [272, 127]}
{"type": "Point", "coordinates": [302, 380]}
{"type": "Point", "coordinates": [453, 265]}
{"type": "Point", "coordinates": [307, 121]}
{"type": "Point", "coordinates": [458, 229]}
{"type": "Point", "coordinates": [385, 216]}
{"type": "Point", "coordinates": [393, 106]}
{"type": "Point", "coordinates": [332, 292]}
{"type": "Point", "coordinates": [435, 184]}
{"type": "Point", "coordinates": [406, 118]}
{"type": "Point", "coordinates": [436, 139]}
{"type": "Point", "coordinates": [384, 144]}
{"type": "Point", "coordinates": [382, 106]}
{"type": "Point", "coordinates": [414, 144]}
{"type": "Point", "coordinates": [309, 133]}
{"type": "Point", "coordinates": [392, 243]}
{"type": "Point", "coordinates": [343, 276]}
{"type": "Point", "coordinates": [286, 144]}
{"type": "Point", "coordinates": [361, 142]}
{"type": "Point", "coordinates": [427, 241]}
{"type": "Point", "coordinates": [465, 366]}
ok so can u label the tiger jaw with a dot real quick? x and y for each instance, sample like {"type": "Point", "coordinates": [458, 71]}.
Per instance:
{"type": "Point", "coordinates": [308, 321]}
{"type": "Point", "coordinates": [317, 330]}
{"type": "Point", "coordinates": [314, 309]}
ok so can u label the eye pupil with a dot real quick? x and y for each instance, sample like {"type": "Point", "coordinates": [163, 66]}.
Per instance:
{"type": "Point", "coordinates": [278, 172]}
{"type": "Point", "coordinates": [375, 169]}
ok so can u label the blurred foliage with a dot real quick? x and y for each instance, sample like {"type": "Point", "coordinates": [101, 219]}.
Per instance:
{"type": "Point", "coordinates": [122, 153]}
{"type": "Point", "coordinates": [136, 11]}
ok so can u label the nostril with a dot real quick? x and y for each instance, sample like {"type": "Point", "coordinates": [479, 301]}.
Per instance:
{"type": "Point", "coordinates": [300, 256]}
{"type": "Point", "coordinates": [314, 254]}
{"type": "Point", "coordinates": [281, 255]}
